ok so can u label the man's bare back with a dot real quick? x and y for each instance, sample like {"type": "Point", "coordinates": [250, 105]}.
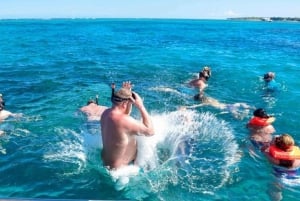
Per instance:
{"type": "Point", "coordinates": [119, 129]}
{"type": "Point", "coordinates": [93, 111]}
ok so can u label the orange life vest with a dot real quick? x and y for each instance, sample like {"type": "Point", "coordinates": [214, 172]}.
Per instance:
{"type": "Point", "coordinates": [258, 121]}
{"type": "Point", "coordinates": [284, 155]}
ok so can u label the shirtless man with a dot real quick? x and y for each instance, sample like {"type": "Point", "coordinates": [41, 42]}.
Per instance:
{"type": "Point", "coordinates": [200, 82]}
{"type": "Point", "coordinates": [93, 110]}
{"type": "Point", "coordinates": [4, 114]}
{"type": "Point", "coordinates": [119, 129]}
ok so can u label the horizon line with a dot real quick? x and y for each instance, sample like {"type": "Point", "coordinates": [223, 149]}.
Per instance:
{"type": "Point", "coordinates": [153, 18]}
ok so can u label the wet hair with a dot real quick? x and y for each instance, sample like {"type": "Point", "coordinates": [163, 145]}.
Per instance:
{"type": "Point", "coordinates": [122, 95]}
{"type": "Point", "coordinates": [266, 76]}
{"type": "Point", "coordinates": [260, 113]}
{"type": "Point", "coordinates": [269, 76]}
{"type": "Point", "coordinates": [284, 142]}
{"type": "Point", "coordinates": [91, 101]}
{"type": "Point", "coordinates": [204, 75]}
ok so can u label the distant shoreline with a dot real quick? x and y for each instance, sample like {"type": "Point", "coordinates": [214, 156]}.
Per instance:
{"type": "Point", "coordinates": [266, 19]}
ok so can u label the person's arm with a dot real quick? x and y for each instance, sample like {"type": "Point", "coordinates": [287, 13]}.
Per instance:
{"type": "Point", "coordinates": [148, 126]}
{"type": "Point", "coordinates": [194, 106]}
{"type": "Point", "coordinates": [265, 151]}
{"type": "Point", "coordinates": [271, 120]}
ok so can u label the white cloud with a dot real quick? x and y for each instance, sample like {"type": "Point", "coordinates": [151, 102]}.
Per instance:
{"type": "Point", "coordinates": [231, 13]}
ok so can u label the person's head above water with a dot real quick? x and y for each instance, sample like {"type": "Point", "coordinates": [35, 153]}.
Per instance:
{"type": "Point", "coordinates": [284, 142]}
{"type": "Point", "coordinates": [269, 76]}
{"type": "Point", "coordinates": [205, 73]}
{"type": "Point", "coordinates": [260, 113]}
{"type": "Point", "coordinates": [122, 95]}
{"type": "Point", "coordinates": [91, 101]}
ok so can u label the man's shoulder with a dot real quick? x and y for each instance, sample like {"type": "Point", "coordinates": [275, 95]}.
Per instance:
{"type": "Point", "coordinates": [5, 112]}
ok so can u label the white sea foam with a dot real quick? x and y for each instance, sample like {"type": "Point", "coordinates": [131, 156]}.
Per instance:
{"type": "Point", "coordinates": [165, 89]}
{"type": "Point", "coordinates": [69, 150]}
{"type": "Point", "coordinates": [193, 150]}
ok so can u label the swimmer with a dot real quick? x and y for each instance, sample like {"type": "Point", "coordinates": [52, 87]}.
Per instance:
{"type": "Point", "coordinates": [119, 129]}
{"type": "Point", "coordinates": [92, 110]}
{"type": "Point", "coordinates": [270, 83]}
{"type": "Point", "coordinates": [200, 82]}
{"type": "Point", "coordinates": [4, 114]}
{"type": "Point", "coordinates": [261, 128]}
{"type": "Point", "coordinates": [283, 152]}
{"type": "Point", "coordinates": [238, 110]}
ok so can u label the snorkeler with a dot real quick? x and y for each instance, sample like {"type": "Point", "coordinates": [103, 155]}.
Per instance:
{"type": "Point", "coordinates": [4, 114]}
{"type": "Point", "coordinates": [283, 152]}
{"type": "Point", "coordinates": [270, 83]}
{"type": "Point", "coordinates": [261, 128]}
{"type": "Point", "coordinates": [119, 129]}
{"type": "Point", "coordinates": [238, 110]}
{"type": "Point", "coordinates": [92, 110]}
{"type": "Point", "coordinates": [200, 82]}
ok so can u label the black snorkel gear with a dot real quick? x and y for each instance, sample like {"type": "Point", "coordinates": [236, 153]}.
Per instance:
{"type": "Point", "coordinates": [113, 86]}
{"type": "Point", "coordinates": [96, 100]}
{"type": "Point", "coordinates": [117, 98]}
{"type": "Point", "coordinates": [260, 113]}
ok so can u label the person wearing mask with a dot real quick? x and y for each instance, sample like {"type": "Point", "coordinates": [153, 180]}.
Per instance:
{"type": "Point", "coordinates": [119, 129]}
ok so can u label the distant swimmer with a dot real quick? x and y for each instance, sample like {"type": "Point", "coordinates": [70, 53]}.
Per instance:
{"type": "Point", "coordinates": [92, 110]}
{"type": "Point", "coordinates": [283, 152]}
{"type": "Point", "coordinates": [270, 83]}
{"type": "Point", "coordinates": [119, 129]}
{"type": "Point", "coordinates": [4, 114]}
{"type": "Point", "coordinates": [260, 128]}
{"type": "Point", "coordinates": [238, 110]}
{"type": "Point", "coordinates": [200, 82]}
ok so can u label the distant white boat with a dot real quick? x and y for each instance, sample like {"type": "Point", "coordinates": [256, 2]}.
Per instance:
{"type": "Point", "coordinates": [267, 19]}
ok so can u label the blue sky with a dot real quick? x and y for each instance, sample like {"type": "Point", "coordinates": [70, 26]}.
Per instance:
{"type": "Point", "coordinates": [195, 9]}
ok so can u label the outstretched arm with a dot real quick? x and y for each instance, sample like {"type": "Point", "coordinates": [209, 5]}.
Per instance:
{"type": "Point", "coordinates": [194, 106]}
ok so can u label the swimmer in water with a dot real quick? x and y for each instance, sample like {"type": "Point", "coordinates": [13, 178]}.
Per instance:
{"type": "Point", "coordinates": [270, 83]}
{"type": "Point", "coordinates": [238, 110]}
{"type": "Point", "coordinates": [92, 110]}
{"type": "Point", "coordinates": [283, 152]}
{"type": "Point", "coordinates": [4, 114]}
{"type": "Point", "coordinates": [261, 128]}
{"type": "Point", "coordinates": [200, 82]}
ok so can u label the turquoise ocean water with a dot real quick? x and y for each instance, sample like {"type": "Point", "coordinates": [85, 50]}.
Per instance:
{"type": "Point", "coordinates": [50, 68]}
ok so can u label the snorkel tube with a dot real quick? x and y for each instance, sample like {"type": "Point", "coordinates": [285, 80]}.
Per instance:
{"type": "Point", "coordinates": [96, 100]}
{"type": "Point", "coordinates": [113, 86]}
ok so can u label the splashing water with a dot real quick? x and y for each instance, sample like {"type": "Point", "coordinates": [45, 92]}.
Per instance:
{"type": "Point", "coordinates": [67, 151]}
{"type": "Point", "coordinates": [191, 150]}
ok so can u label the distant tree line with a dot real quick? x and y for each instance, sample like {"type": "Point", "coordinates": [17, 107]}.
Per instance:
{"type": "Point", "coordinates": [297, 19]}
